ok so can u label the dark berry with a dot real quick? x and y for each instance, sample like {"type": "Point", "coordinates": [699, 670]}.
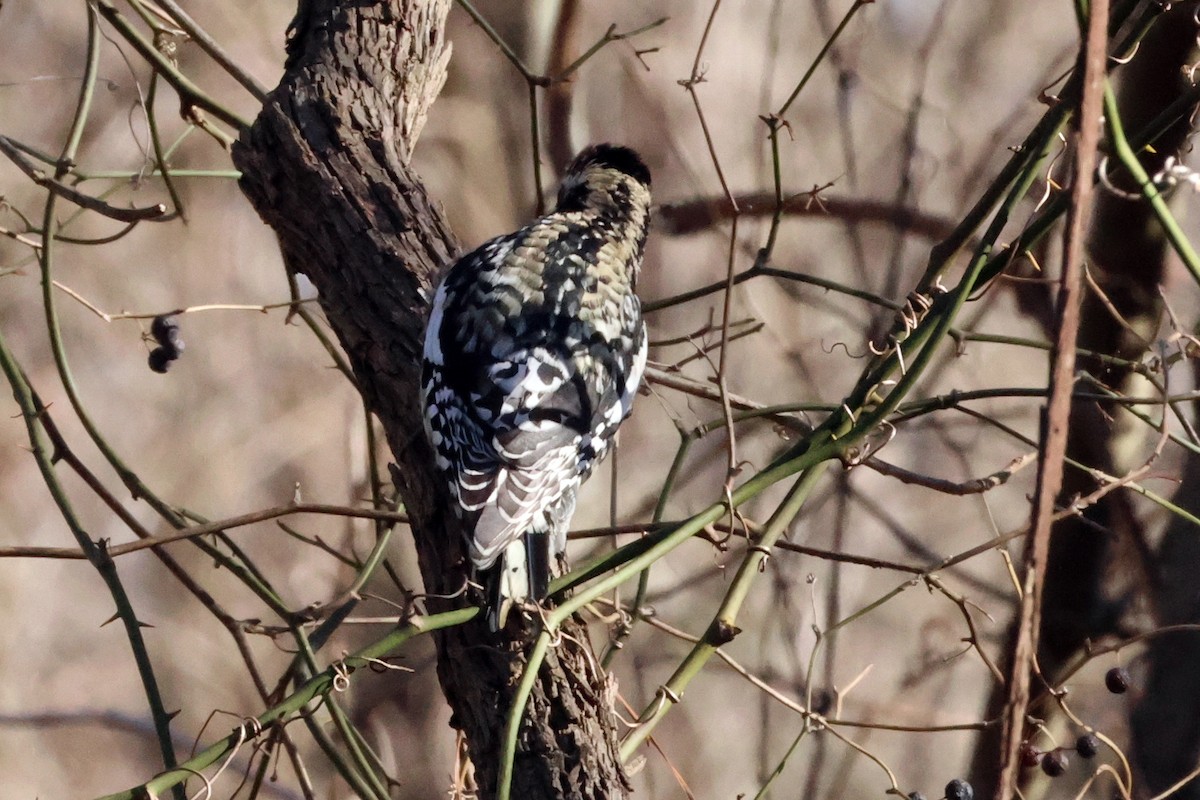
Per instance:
{"type": "Point", "coordinates": [959, 789]}
{"type": "Point", "coordinates": [163, 328]}
{"type": "Point", "coordinates": [1055, 763]}
{"type": "Point", "coordinates": [915, 796]}
{"type": "Point", "coordinates": [1117, 680]}
{"type": "Point", "coordinates": [160, 359]}
{"type": "Point", "coordinates": [165, 331]}
{"type": "Point", "coordinates": [1030, 755]}
{"type": "Point", "coordinates": [1087, 745]}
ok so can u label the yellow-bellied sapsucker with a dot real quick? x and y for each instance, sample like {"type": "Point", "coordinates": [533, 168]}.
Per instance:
{"type": "Point", "coordinates": [533, 354]}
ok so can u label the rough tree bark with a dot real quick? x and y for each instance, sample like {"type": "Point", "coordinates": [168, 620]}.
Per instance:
{"type": "Point", "coordinates": [326, 164]}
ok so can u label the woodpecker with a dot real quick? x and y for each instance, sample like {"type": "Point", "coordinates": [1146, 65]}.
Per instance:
{"type": "Point", "coordinates": [533, 354]}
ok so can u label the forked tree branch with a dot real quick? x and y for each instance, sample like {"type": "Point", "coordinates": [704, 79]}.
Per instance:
{"type": "Point", "coordinates": [326, 164]}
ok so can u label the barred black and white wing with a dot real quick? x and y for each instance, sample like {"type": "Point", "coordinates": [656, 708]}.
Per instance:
{"type": "Point", "coordinates": [533, 354]}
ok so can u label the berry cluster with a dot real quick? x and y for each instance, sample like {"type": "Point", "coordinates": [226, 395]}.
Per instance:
{"type": "Point", "coordinates": [957, 789]}
{"type": "Point", "coordinates": [165, 331]}
{"type": "Point", "coordinates": [1053, 762]}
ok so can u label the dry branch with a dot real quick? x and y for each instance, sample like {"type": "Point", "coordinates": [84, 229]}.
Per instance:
{"type": "Point", "coordinates": [1057, 414]}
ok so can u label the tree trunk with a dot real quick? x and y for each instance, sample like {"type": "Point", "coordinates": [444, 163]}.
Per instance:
{"type": "Point", "coordinates": [326, 164]}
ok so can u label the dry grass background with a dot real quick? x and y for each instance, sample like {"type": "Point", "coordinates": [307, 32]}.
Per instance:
{"type": "Point", "coordinates": [253, 409]}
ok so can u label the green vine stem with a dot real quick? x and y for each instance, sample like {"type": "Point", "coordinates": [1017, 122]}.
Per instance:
{"type": "Point", "coordinates": [23, 394]}
{"type": "Point", "coordinates": [318, 686]}
{"type": "Point", "coordinates": [95, 555]}
{"type": "Point", "coordinates": [358, 772]}
{"type": "Point", "coordinates": [723, 627]}
{"type": "Point", "coordinates": [191, 94]}
{"type": "Point", "coordinates": [1175, 235]}
{"type": "Point", "coordinates": [686, 439]}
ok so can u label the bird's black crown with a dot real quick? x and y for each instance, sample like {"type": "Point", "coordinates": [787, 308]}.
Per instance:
{"type": "Point", "coordinates": [611, 156]}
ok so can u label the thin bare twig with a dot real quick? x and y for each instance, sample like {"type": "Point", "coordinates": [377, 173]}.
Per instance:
{"type": "Point", "coordinates": [684, 217]}
{"type": "Point", "coordinates": [964, 608]}
{"type": "Point", "coordinates": [206, 529]}
{"type": "Point", "coordinates": [215, 51]}
{"type": "Point", "coordinates": [109, 317]}
{"type": "Point", "coordinates": [973, 486]}
{"type": "Point", "coordinates": [39, 177]}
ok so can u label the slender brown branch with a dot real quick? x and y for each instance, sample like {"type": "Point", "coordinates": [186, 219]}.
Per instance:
{"type": "Point", "coordinates": [193, 531]}
{"type": "Point", "coordinates": [215, 51]}
{"type": "Point", "coordinates": [686, 385]}
{"type": "Point", "coordinates": [291, 305]}
{"type": "Point", "coordinates": [1057, 414]}
{"type": "Point", "coordinates": [560, 95]}
{"type": "Point", "coordinates": [965, 609]}
{"type": "Point", "coordinates": [799, 708]}
{"type": "Point", "coordinates": [39, 177]}
{"type": "Point", "coordinates": [191, 95]}
{"type": "Point", "coordinates": [973, 486]}
{"type": "Point", "coordinates": [685, 217]}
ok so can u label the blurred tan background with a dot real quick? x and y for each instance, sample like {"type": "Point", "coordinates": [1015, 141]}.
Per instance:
{"type": "Point", "coordinates": [917, 105]}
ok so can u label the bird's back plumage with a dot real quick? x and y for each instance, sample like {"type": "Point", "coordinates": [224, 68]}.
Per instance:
{"type": "Point", "coordinates": [533, 354]}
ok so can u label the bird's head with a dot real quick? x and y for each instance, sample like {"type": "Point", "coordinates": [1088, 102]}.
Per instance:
{"type": "Point", "coordinates": [606, 178]}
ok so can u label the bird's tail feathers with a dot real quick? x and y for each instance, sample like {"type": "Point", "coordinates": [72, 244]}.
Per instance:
{"type": "Point", "coordinates": [522, 573]}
